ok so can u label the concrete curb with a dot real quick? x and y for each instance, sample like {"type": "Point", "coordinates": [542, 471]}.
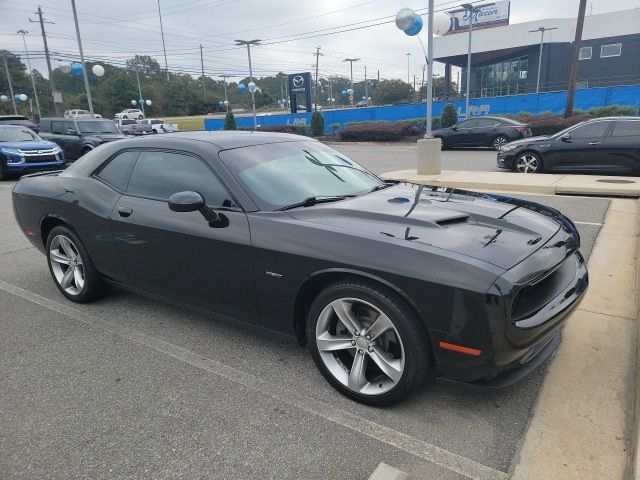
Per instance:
{"type": "Point", "coordinates": [636, 411]}
{"type": "Point", "coordinates": [582, 426]}
{"type": "Point", "coordinates": [549, 184]}
{"type": "Point", "coordinates": [387, 472]}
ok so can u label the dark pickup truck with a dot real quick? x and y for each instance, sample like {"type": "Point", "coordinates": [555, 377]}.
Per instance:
{"type": "Point", "coordinates": [77, 136]}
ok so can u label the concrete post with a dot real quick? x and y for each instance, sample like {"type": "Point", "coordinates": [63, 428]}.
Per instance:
{"type": "Point", "coordinates": [429, 156]}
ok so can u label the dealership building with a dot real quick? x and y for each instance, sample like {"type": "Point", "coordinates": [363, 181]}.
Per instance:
{"type": "Point", "coordinates": [505, 58]}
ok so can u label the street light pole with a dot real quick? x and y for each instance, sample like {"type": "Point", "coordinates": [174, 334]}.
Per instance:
{"type": "Point", "coordinates": [471, 10]}
{"type": "Point", "coordinates": [33, 82]}
{"type": "Point", "coordinates": [46, 54]}
{"type": "Point", "coordinates": [164, 49]}
{"type": "Point", "coordinates": [408, 67]}
{"type": "Point", "coordinates": [226, 100]}
{"type": "Point", "coordinates": [248, 43]}
{"type": "Point", "coordinates": [428, 133]}
{"type": "Point", "coordinates": [315, 89]}
{"type": "Point", "coordinates": [541, 30]}
{"type": "Point", "coordinates": [351, 60]}
{"type": "Point", "coordinates": [84, 67]}
{"type": "Point", "coordinates": [6, 69]}
{"type": "Point", "coordinates": [140, 92]}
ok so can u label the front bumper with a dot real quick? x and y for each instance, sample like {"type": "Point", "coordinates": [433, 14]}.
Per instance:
{"type": "Point", "coordinates": [35, 167]}
{"type": "Point", "coordinates": [506, 160]}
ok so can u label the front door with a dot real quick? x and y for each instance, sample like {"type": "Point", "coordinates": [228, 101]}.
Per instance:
{"type": "Point", "coordinates": [581, 149]}
{"type": "Point", "coordinates": [462, 134]}
{"type": "Point", "coordinates": [179, 255]}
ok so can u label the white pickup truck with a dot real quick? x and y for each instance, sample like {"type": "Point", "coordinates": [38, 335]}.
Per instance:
{"type": "Point", "coordinates": [158, 125]}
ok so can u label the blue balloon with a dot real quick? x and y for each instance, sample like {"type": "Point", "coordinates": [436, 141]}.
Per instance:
{"type": "Point", "coordinates": [16, 97]}
{"type": "Point", "coordinates": [343, 94]}
{"type": "Point", "coordinates": [416, 27]}
{"type": "Point", "coordinates": [76, 69]}
{"type": "Point", "coordinates": [241, 87]}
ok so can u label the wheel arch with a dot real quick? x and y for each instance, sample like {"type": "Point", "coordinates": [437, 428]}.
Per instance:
{"type": "Point", "coordinates": [318, 281]}
{"type": "Point", "coordinates": [49, 222]}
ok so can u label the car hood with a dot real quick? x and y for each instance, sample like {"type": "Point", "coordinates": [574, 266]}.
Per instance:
{"type": "Point", "coordinates": [108, 137]}
{"type": "Point", "coordinates": [527, 140]}
{"type": "Point", "coordinates": [498, 230]}
{"type": "Point", "coordinates": [29, 145]}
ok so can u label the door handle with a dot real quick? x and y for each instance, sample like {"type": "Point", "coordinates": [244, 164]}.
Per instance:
{"type": "Point", "coordinates": [125, 211]}
{"type": "Point", "coordinates": [595, 143]}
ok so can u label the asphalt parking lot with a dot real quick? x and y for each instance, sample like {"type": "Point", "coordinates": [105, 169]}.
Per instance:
{"type": "Point", "coordinates": [128, 387]}
{"type": "Point", "coordinates": [398, 156]}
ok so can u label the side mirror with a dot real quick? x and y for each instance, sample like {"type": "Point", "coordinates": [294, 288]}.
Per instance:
{"type": "Point", "coordinates": [566, 137]}
{"type": "Point", "coordinates": [186, 202]}
{"type": "Point", "coordinates": [454, 128]}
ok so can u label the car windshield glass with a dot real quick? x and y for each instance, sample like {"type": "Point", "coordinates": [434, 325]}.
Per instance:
{"type": "Point", "coordinates": [106, 126]}
{"type": "Point", "coordinates": [18, 135]}
{"type": "Point", "coordinates": [280, 174]}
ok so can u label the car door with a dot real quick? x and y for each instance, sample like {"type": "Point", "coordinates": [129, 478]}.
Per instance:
{"type": "Point", "coordinates": [483, 131]}
{"type": "Point", "coordinates": [580, 149]}
{"type": "Point", "coordinates": [621, 152]}
{"type": "Point", "coordinates": [57, 135]}
{"type": "Point", "coordinates": [461, 133]}
{"type": "Point", "coordinates": [180, 255]}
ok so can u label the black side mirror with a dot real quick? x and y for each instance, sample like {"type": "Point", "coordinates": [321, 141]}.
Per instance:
{"type": "Point", "coordinates": [186, 202]}
{"type": "Point", "coordinates": [454, 128]}
{"type": "Point", "coordinates": [566, 137]}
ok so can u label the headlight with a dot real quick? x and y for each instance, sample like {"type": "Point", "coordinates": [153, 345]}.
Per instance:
{"type": "Point", "coordinates": [508, 147]}
{"type": "Point", "coordinates": [11, 151]}
{"type": "Point", "coordinates": [57, 150]}
{"type": "Point", "coordinates": [13, 155]}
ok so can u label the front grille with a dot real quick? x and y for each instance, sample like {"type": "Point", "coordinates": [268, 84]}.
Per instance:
{"type": "Point", "coordinates": [40, 158]}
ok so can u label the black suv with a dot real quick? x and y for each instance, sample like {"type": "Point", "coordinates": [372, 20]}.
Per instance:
{"type": "Point", "coordinates": [18, 120]}
{"type": "Point", "coordinates": [600, 145]}
{"type": "Point", "coordinates": [77, 136]}
{"type": "Point", "coordinates": [493, 132]}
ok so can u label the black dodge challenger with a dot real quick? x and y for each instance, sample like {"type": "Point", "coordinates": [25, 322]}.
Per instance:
{"type": "Point", "coordinates": [385, 283]}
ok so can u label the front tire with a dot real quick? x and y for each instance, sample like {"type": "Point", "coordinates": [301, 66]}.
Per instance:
{"type": "Point", "coordinates": [528, 162]}
{"type": "Point", "coordinates": [367, 343]}
{"type": "Point", "coordinates": [71, 267]}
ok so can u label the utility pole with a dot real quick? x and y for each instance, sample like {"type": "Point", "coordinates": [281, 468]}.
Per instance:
{"type": "Point", "coordinates": [470, 10]}
{"type": "Point", "coordinates": [351, 60]}
{"type": "Point", "coordinates": [84, 67]}
{"type": "Point", "coordinates": [315, 89]}
{"type": "Point", "coordinates": [46, 54]}
{"type": "Point", "coordinates": [378, 75]}
{"type": "Point", "coordinates": [248, 43]}
{"type": "Point", "coordinates": [6, 69]}
{"type": "Point", "coordinates": [541, 30]}
{"type": "Point", "coordinates": [423, 68]}
{"type": "Point", "coordinates": [164, 49]}
{"type": "Point", "coordinates": [226, 99]}
{"type": "Point", "coordinates": [408, 68]}
{"type": "Point", "coordinates": [575, 53]}
{"type": "Point", "coordinates": [204, 91]}
{"type": "Point", "coordinates": [33, 81]}
{"type": "Point", "coordinates": [366, 86]}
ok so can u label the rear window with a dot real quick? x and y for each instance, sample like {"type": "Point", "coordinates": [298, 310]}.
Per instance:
{"type": "Point", "coordinates": [626, 128]}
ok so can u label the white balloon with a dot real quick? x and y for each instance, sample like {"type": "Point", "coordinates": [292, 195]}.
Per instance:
{"type": "Point", "coordinates": [252, 86]}
{"type": "Point", "coordinates": [23, 97]}
{"type": "Point", "coordinates": [349, 91]}
{"type": "Point", "coordinates": [441, 24]}
{"type": "Point", "coordinates": [405, 18]}
{"type": "Point", "coordinates": [133, 102]}
{"type": "Point", "coordinates": [65, 68]}
{"type": "Point", "coordinates": [226, 102]}
{"type": "Point", "coordinates": [148, 102]}
{"type": "Point", "coordinates": [3, 98]}
{"type": "Point", "coordinates": [98, 70]}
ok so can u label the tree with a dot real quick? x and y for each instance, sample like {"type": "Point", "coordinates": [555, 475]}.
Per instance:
{"type": "Point", "coordinates": [229, 121]}
{"type": "Point", "coordinates": [392, 91]}
{"type": "Point", "coordinates": [449, 116]}
{"type": "Point", "coordinates": [317, 124]}
{"type": "Point", "coordinates": [148, 67]}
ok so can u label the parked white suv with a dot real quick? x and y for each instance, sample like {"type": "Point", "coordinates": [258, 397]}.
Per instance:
{"type": "Point", "coordinates": [80, 114]}
{"type": "Point", "coordinates": [130, 113]}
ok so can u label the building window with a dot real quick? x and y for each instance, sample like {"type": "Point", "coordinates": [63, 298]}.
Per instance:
{"type": "Point", "coordinates": [585, 53]}
{"type": "Point", "coordinates": [612, 50]}
{"type": "Point", "coordinates": [503, 78]}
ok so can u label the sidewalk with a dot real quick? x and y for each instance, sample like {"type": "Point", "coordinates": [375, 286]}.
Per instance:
{"type": "Point", "coordinates": [549, 184]}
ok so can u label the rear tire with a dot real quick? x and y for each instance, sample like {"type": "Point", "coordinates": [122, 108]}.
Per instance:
{"type": "Point", "coordinates": [367, 343]}
{"type": "Point", "coordinates": [499, 141]}
{"type": "Point", "coordinates": [125, 117]}
{"type": "Point", "coordinates": [71, 267]}
{"type": "Point", "coordinates": [140, 117]}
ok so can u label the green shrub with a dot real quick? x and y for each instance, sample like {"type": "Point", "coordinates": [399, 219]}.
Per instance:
{"type": "Point", "coordinates": [335, 127]}
{"type": "Point", "coordinates": [229, 121]}
{"type": "Point", "coordinates": [317, 124]}
{"type": "Point", "coordinates": [375, 132]}
{"type": "Point", "coordinates": [449, 116]}
{"type": "Point", "coordinates": [613, 111]}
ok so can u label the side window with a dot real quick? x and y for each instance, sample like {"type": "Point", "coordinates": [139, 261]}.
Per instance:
{"type": "Point", "coordinates": [117, 171]}
{"type": "Point", "coordinates": [68, 126]}
{"type": "Point", "coordinates": [467, 124]}
{"type": "Point", "coordinates": [626, 128]}
{"type": "Point", "coordinates": [45, 126]}
{"type": "Point", "coordinates": [56, 127]}
{"type": "Point", "coordinates": [161, 174]}
{"type": "Point", "coordinates": [591, 130]}
{"type": "Point", "coordinates": [486, 122]}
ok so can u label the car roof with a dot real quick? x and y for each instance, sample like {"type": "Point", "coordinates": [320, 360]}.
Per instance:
{"type": "Point", "coordinates": [65, 119]}
{"type": "Point", "coordinates": [13, 117]}
{"type": "Point", "coordinates": [230, 139]}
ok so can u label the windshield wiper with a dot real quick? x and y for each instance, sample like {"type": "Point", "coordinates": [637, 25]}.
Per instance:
{"type": "Point", "coordinates": [311, 201]}
{"type": "Point", "coordinates": [380, 186]}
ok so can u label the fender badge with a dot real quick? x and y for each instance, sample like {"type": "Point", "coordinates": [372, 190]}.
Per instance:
{"type": "Point", "coordinates": [273, 274]}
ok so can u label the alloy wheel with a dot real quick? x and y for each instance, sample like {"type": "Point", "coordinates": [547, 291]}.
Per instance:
{"type": "Point", "coordinates": [360, 346]}
{"type": "Point", "coordinates": [499, 142]}
{"type": "Point", "coordinates": [67, 265]}
{"type": "Point", "coordinates": [527, 163]}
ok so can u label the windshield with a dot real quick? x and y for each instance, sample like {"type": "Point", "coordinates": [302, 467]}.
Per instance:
{"type": "Point", "coordinates": [106, 126]}
{"type": "Point", "coordinates": [280, 174]}
{"type": "Point", "coordinates": [18, 135]}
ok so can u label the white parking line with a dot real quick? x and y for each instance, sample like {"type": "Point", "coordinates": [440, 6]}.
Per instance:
{"type": "Point", "coordinates": [406, 443]}
{"type": "Point", "coordinates": [6, 186]}
{"type": "Point", "coordinates": [588, 223]}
